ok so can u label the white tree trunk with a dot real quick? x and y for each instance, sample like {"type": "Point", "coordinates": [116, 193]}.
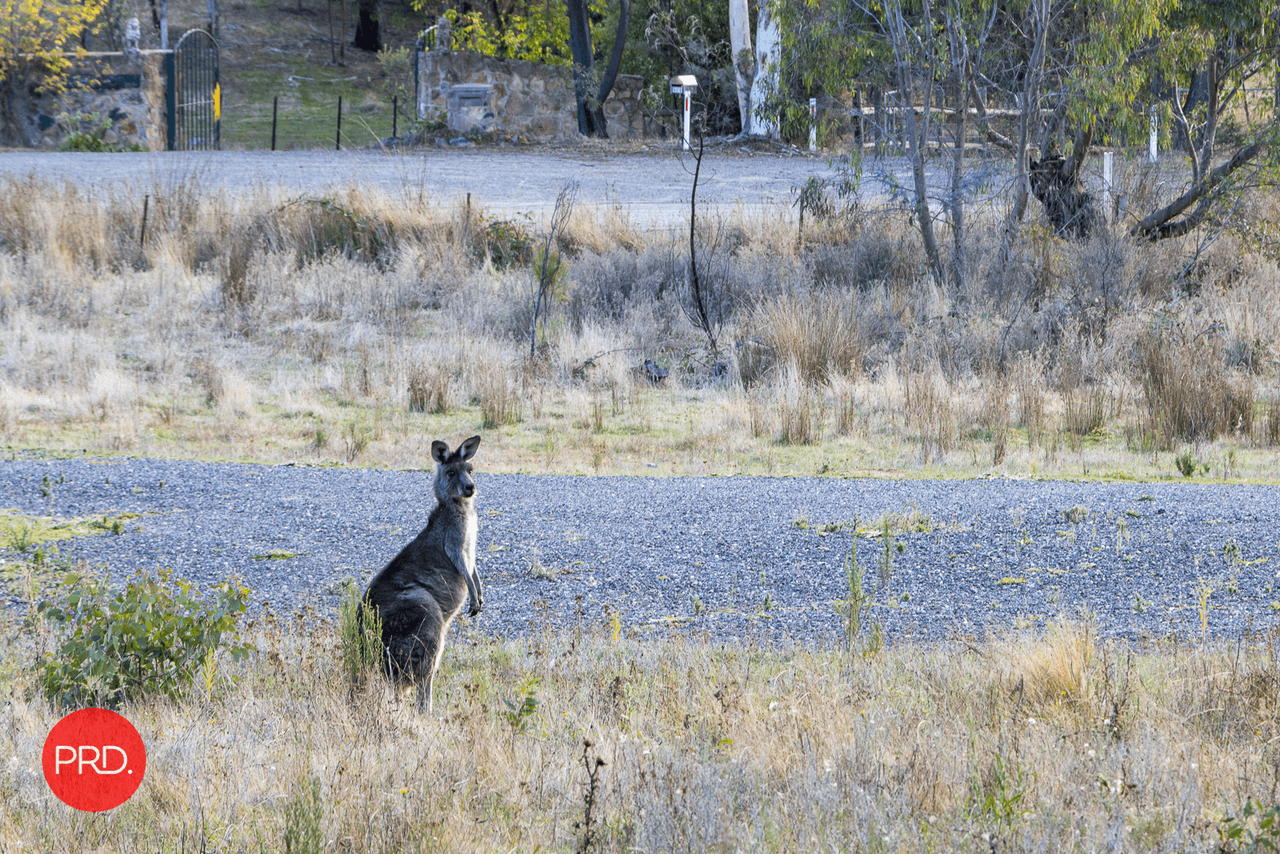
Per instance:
{"type": "Point", "coordinates": [744, 60]}
{"type": "Point", "coordinates": [767, 38]}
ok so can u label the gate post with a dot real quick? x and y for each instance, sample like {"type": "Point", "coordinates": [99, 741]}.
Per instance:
{"type": "Point", "coordinates": [170, 102]}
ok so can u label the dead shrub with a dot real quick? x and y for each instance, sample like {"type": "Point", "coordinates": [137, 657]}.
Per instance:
{"type": "Point", "coordinates": [1270, 424]}
{"type": "Point", "coordinates": [429, 389]}
{"type": "Point", "coordinates": [1027, 381]}
{"type": "Point", "coordinates": [1191, 394]}
{"type": "Point", "coordinates": [931, 410]}
{"type": "Point", "coordinates": [817, 333]}
{"type": "Point", "coordinates": [800, 409]}
{"type": "Point", "coordinates": [845, 404]}
{"type": "Point", "coordinates": [497, 393]}
{"type": "Point", "coordinates": [1055, 667]}
{"type": "Point", "coordinates": [875, 258]}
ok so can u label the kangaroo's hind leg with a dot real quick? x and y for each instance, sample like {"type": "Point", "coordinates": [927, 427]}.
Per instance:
{"type": "Point", "coordinates": [429, 639]}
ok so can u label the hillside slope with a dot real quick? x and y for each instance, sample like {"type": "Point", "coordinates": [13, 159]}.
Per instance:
{"type": "Point", "coordinates": [272, 50]}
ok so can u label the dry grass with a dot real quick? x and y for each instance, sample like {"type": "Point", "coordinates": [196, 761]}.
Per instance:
{"type": "Point", "coordinates": [1191, 393]}
{"type": "Point", "coordinates": [357, 329]}
{"type": "Point", "coordinates": [251, 327]}
{"type": "Point", "coordinates": [1058, 742]}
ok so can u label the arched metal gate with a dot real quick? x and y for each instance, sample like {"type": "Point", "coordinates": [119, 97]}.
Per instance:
{"type": "Point", "coordinates": [195, 96]}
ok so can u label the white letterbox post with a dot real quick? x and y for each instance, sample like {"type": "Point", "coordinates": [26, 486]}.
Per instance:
{"type": "Point", "coordinates": [685, 84]}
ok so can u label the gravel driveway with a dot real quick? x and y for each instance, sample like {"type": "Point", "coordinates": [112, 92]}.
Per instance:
{"type": "Point", "coordinates": [726, 558]}
{"type": "Point", "coordinates": [652, 186]}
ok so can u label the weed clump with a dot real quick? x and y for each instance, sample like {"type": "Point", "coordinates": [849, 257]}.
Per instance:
{"type": "Point", "coordinates": [359, 635]}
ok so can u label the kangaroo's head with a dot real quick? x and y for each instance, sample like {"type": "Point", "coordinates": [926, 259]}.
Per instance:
{"type": "Point", "coordinates": [453, 471]}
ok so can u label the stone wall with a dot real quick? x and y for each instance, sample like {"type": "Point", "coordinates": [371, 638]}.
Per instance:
{"type": "Point", "coordinates": [528, 98]}
{"type": "Point", "coordinates": [126, 91]}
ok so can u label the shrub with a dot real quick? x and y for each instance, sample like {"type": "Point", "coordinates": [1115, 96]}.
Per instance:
{"type": "Point", "coordinates": [148, 638]}
{"type": "Point", "coordinates": [1191, 394]}
{"type": "Point", "coordinates": [819, 332]}
{"type": "Point", "coordinates": [505, 242]}
{"type": "Point", "coordinates": [360, 634]}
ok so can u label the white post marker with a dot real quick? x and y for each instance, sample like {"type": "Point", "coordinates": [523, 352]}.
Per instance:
{"type": "Point", "coordinates": [1106, 184]}
{"type": "Point", "coordinates": [813, 124]}
{"type": "Point", "coordinates": [688, 98]}
{"type": "Point", "coordinates": [685, 84]}
{"type": "Point", "coordinates": [1155, 137]}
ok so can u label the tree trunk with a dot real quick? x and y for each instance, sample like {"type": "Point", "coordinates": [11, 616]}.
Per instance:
{"type": "Point", "coordinates": [1030, 104]}
{"type": "Point", "coordinates": [917, 132]}
{"type": "Point", "coordinates": [368, 36]}
{"type": "Point", "coordinates": [766, 54]}
{"type": "Point", "coordinates": [1193, 107]}
{"type": "Point", "coordinates": [590, 114]}
{"type": "Point", "coordinates": [744, 60]}
{"type": "Point", "coordinates": [960, 71]}
{"type": "Point", "coordinates": [1160, 224]}
{"type": "Point", "coordinates": [615, 62]}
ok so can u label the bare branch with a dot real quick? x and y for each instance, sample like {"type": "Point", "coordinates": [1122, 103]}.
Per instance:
{"type": "Point", "coordinates": [1158, 225]}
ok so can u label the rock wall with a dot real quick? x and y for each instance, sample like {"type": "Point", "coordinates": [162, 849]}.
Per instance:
{"type": "Point", "coordinates": [125, 91]}
{"type": "Point", "coordinates": [528, 98]}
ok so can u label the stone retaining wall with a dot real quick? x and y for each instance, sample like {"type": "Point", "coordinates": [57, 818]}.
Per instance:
{"type": "Point", "coordinates": [528, 98]}
{"type": "Point", "coordinates": [126, 91]}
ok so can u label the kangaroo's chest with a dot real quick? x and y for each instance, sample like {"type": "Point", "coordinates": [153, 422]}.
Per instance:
{"type": "Point", "coordinates": [469, 529]}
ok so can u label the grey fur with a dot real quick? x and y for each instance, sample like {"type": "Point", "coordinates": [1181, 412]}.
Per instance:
{"type": "Point", "coordinates": [422, 589]}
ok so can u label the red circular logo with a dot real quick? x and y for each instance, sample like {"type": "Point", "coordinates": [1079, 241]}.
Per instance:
{"type": "Point", "coordinates": [94, 760]}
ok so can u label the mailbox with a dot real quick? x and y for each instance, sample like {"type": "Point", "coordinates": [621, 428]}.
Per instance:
{"type": "Point", "coordinates": [684, 83]}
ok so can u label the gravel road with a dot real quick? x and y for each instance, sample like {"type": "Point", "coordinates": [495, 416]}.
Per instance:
{"type": "Point", "coordinates": [726, 558]}
{"type": "Point", "coordinates": [653, 186]}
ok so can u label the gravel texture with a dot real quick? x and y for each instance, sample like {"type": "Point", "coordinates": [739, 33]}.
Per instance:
{"type": "Point", "coordinates": [727, 559]}
{"type": "Point", "coordinates": [652, 188]}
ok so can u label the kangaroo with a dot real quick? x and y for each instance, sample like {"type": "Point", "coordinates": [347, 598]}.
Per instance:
{"type": "Point", "coordinates": [422, 589]}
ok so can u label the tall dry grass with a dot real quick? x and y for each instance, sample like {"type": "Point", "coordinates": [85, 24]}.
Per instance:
{"type": "Point", "coordinates": [1024, 742]}
{"type": "Point", "coordinates": [418, 314]}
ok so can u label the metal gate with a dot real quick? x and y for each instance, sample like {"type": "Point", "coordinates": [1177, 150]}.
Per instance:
{"type": "Point", "coordinates": [195, 96]}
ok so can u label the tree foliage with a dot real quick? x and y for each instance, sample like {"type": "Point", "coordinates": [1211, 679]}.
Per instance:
{"type": "Point", "coordinates": [539, 35]}
{"type": "Point", "coordinates": [37, 49]}
{"type": "Point", "coordinates": [1078, 73]}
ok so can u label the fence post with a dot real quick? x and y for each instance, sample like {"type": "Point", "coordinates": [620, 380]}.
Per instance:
{"type": "Point", "coordinates": [171, 101]}
{"type": "Point", "coordinates": [813, 124]}
{"type": "Point", "coordinates": [337, 142]}
{"type": "Point", "coordinates": [395, 114]}
{"type": "Point", "coordinates": [1155, 136]}
{"type": "Point", "coordinates": [142, 234]}
{"type": "Point", "coordinates": [1107, 213]}
{"type": "Point", "coordinates": [275, 103]}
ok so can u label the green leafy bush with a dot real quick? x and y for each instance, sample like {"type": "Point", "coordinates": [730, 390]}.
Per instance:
{"type": "Point", "coordinates": [506, 242]}
{"type": "Point", "coordinates": [1238, 834]}
{"type": "Point", "coordinates": [147, 638]}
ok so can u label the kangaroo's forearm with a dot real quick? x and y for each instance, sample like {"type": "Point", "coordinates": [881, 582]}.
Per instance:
{"type": "Point", "coordinates": [468, 574]}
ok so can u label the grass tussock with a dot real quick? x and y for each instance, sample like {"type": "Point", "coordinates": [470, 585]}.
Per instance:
{"type": "Point", "coordinates": [595, 740]}
{"type": "Point", "coordinates": [1192, 395]}
{"type": "Point", "coordinates": [256, 325]}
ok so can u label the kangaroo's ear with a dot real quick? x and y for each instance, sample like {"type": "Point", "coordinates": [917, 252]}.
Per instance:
{"type": "Point", "coordinates": [468, 449]}
{"type": "Point", "coordinates": [439, 451]}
